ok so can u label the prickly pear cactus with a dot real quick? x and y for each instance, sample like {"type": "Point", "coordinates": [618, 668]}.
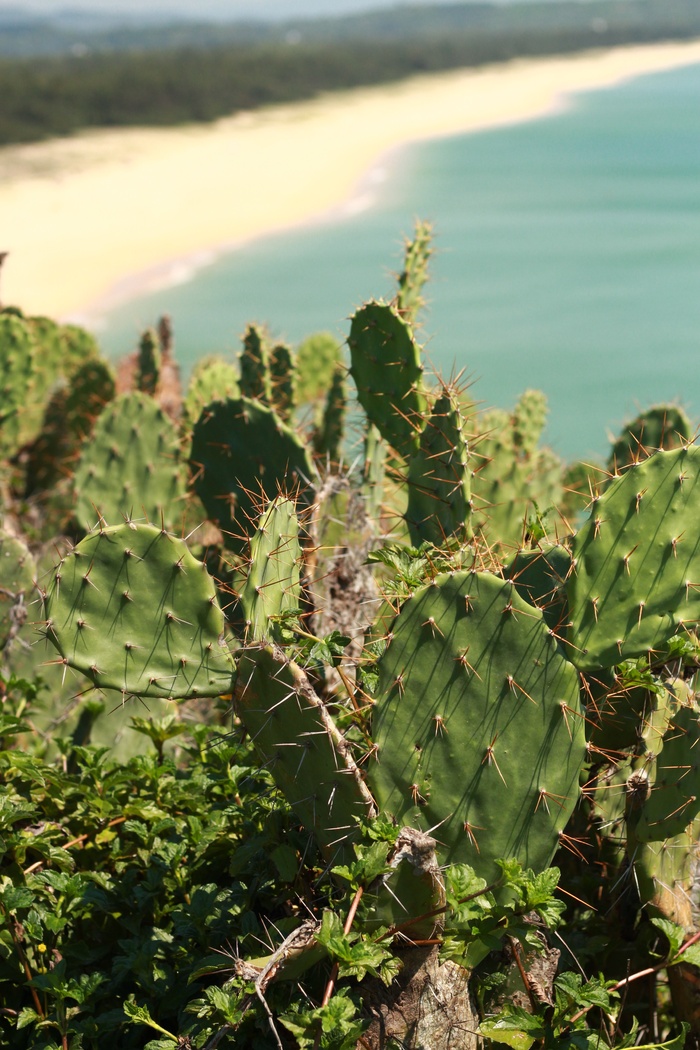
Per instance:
{"type": "Point", "coordinates": [388, 375]}
{"type": "Point", "coordinates": [511, 473]}
{"type": "Point", "coordinates": [662, 426]}
{"type": "Point", "coordinates": [412, 278]}
{"type": "Point", "coordinates": [148, 363]}
{"type": "Point", "coordinates": [471, 681]}
{"type": "Point", "coordinates": [636, 571]}
{"type": "Point", "coordinates": [17, 348]}
{"type": "Point", "coordinates": [272, 588]}
{"type": "Point", "coordinates": [439, 479]}
{"type": "Point", "coordinates": [130, 468]}
{"type": "Point", "coordinates": [242, 456]}
{"type": "Point", "coordinates": [308, 757]}
{"type": "Point", "coordinates": [256, 379]}
{"type": "Point", "coordinates": [133, 610]}
{"type": "Point", "coordinates": [315, 364]}
{"type": "Point", "coordinates": [17, 583]}
{"type": "Point", "coordinates": [328, 436]}
{"type": "Point", "coordinates": [540, 574]}
{"type": "Point", "coordinates": [213, 379]}
{"type": "Point", "coordinates": [282, 381]}
{"type": "Point", "coordinates": [69, 418]}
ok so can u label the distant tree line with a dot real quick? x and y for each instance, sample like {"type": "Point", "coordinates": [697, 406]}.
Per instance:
{"type": "Point", "coordinates": [53, 96]}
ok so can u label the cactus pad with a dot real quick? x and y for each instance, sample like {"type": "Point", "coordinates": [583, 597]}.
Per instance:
{"type": "Point", "coordinates": [307, 756]}
{"type": "Point", "coordinates": [133, 610]}
{"type": "Point", "coordinates": [272, 586]}
{"type": "Point", "coordinates": [636, 578]}
{"type": "Point", "coordinates": [388, 375]}
{"type": "Point", "coordinates": [439, 479]}
{"type": "Point", "coordinates": [471, 681]}
{"type": "Point", "coordinates": [131, 468]}
{"type": "Point", "coordinates": [243, 456]}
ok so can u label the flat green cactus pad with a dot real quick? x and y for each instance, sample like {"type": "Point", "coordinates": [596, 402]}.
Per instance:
{"type": "Point", "coordinates": [133, 610]}
{"type": "Point", "coordinates": [473, 680]}
{"type": "Point", "coordinates": [388, 375]}
{"type": "Point", "coordinates": [307, 756]}
{"type": "Point", "coordinates": [636, 574]}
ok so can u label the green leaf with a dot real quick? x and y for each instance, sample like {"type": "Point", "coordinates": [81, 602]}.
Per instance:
{"type": "Point", "coordinates": [673, 933]}
{"type": "Point", "coordinates": [690, 955]}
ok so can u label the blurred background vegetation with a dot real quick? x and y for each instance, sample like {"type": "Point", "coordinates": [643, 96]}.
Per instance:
{"type": "Point", "coordinates": [57, 78]}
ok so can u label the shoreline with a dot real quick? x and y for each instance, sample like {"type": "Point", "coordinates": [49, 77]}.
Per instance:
{"type": "Point", "coordinates": [99, 218]}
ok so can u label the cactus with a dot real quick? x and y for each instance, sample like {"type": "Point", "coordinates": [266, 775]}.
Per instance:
{"type": "Point", "coordinates": [636, 563]}
{"type": "Point", "coordinates": [388, 375]}
{"type": "Point", "coordinates": [131, 467]}
{"type": "Point", "coordinates": [133, 610]}
{"type": "Point", "coordinates": [69, 418]}
{"type": "Point", "coordinates": [272, 587]}
{"type": "Point", "coordinates": [17, 581]}
{"type": "Point", "coordinates": [17, 426]}
{"type": "Point", "coordinates": [148, 363]}
{"type": "Point", "coordinates": [315, 364]}
{"type": "Point", "coordinates": [242, 456]}
{"type": "Point", "coordinates": [213, 379]}
{"type": "Point", "coordinates": [256, 379]}
{"type": "Point", "coordinates": [470, 681]}
{"type": "Point", "coordinates": [328, 435]}
{"type": "Point", "coordinates": [307, 756]}
{"type": "Point", "coordinates": [439, 479]}
{"type": "Point", "coordinates": [282, 382]}
{"type": "Point", "coordinates": [662, 426]}
{"type": "Point", "coordinates": [409, 300]}
{"type": "Point", "coordinates": [540, 576]}
{"type": "Point", "coordinates": [511, 473]}
{"type": "Point", "coordinates": [373, 473]}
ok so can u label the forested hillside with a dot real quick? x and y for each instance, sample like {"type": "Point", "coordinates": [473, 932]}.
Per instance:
{"type": "Point", "coordinates": [170, 75]}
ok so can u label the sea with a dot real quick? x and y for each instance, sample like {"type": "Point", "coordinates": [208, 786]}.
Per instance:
{"type": "Point", "coordinates": [567, 259]}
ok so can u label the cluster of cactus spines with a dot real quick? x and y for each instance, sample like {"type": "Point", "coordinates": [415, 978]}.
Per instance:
{"type": "Point", "coordinates": [242, 456]}
{"type": "Point", "coordinates": [131, 469]}
{"type": "Point", "coordinates": [471, 679]}
{"type": "Point", "coordinates": [328, 435]}
{"type": "Point", "coordinates": [540, 575]}
{"type": "Point", "coordinates": [388, 375]}
{"type": "Point", "coordinates": [616, 710]}
{"type": "Point", "coordinates": [17, 581]}
{"type": "Point", "coordinates": [255, 378]}
{"type": "Point", "coordinates": [148, 363]}
{"type": "Point", "coordinates": [662, 805]}
{"type": "Point", "coordinates": [439, 478]}
{"type": "Point", "coordinates": [308, 757]}
{"type": "Point", "coordinates": [273, 581]}
{"type": "Point", "coordinates": [661, 426]}
{"type": "Point", "coordinates": [133, 610]}
{"type": "Point", "coordinates": [213, 379]}
{"type": "Point", "coordinates": [411, 281]}
{"type": "Point", "coordinates": [636, 575]}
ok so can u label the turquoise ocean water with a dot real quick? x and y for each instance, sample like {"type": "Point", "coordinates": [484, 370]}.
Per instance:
{"type": "Point", "coordinates": [568, 259]}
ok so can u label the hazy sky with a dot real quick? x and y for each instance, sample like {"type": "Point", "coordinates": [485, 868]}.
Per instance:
{"type": "Point", "coordinates": [197, 8]}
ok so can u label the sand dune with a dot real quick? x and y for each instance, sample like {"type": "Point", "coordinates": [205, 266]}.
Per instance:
{"type": "Point", "coordinates": [93, 218]}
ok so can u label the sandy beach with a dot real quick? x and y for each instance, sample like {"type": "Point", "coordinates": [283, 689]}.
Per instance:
{"type": "Point", "coordinates": [91, 219]}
